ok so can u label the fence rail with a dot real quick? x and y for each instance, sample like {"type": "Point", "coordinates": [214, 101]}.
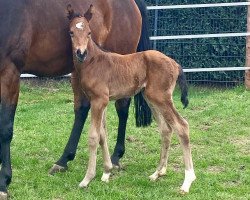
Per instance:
{"type": "Point", "coordinates": [198, 6]}
{"type": "Point", "coordinates": [219, 35]}
{"type": "Point", "coordinates": [212, 69]}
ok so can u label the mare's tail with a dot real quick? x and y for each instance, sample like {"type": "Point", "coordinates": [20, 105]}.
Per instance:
{"type": "Point", "coordinates": [184, 87]}
{"type": "Point", "coordinates": [142, 110]}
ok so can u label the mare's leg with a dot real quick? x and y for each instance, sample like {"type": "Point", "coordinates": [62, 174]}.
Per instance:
{"type": "Point", "coordinates": [107, 164]}
{"type": "Point", "coordinates": [97, 109]}
{"type": "Point", "coordinates": [166, 135]}
{"type": "Point", "coordinates": [0, 146]}
{"type": "Point", "coordinates": [9, 83]}
{"type": "Point", "coordinates": [122, 109]}
{"type": "Point", "coordinates": [81, 108]}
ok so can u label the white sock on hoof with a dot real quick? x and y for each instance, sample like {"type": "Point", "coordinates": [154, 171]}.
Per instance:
{"type": "Point", "coordinates": [189, 178]}
{"type": "Point", "coordinates": [84, 183]}
{"type": "Point", "coordinates": [163, 171]}
{"type": "Point", "coordinates": [154, 176]}
{"type": "Point", "coordinates": [105, 177]}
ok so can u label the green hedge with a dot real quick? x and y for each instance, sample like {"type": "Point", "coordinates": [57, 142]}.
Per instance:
{"type": "Point", "coordinates": [198, 53]}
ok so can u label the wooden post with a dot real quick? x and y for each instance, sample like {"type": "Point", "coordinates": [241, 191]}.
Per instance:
{"type": "Point", "coordinates": [247, 73]}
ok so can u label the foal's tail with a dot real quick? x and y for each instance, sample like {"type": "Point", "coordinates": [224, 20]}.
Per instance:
{"type": "Point", "coordinates": [183, 86]}
{"type": "Point", "coordinates": [142, 111]}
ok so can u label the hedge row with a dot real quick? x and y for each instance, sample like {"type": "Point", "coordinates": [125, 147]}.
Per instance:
{"type": "Point", "coordinates": [200, 53]}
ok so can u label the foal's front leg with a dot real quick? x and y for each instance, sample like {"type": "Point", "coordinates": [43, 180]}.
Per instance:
{"type": "Point", "coordinates": [97, 109]}
{"type": "Point", "coordinates": [107, 164]}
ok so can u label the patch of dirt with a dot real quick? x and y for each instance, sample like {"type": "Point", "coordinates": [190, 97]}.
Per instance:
{"type": "Point", "coordinates": [177, 168]}
{"type": "Point", "coordinates": [215, 169]}
{"type": "Point", "coordinates": [131, 139]}
{"type": "Point", "coordinates": [205, 126]}
{"type": "Point", "coordinates": [242, 143]}
{"type": "Point", "coordinates": [198, 108]}
{"type": "Point", "coordinates": [232, 183]}
{"type": "Point", "coordinates": [198, 147]}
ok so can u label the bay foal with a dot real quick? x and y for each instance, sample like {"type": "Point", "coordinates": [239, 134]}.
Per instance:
{"type": "Point", "coordinates": [108, 76]}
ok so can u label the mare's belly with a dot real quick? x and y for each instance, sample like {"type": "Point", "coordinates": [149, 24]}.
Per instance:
{"type": "Point", "coordinates": [50, 56]}
{"type": "Point", "coordinates": [57, 66]}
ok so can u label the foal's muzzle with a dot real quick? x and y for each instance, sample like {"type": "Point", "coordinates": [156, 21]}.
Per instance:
{"type": "Point", "coordinates": [81, 56]}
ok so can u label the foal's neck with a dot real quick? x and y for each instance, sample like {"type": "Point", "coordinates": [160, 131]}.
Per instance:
{"type": "Point", "coordinates": [93, 49]}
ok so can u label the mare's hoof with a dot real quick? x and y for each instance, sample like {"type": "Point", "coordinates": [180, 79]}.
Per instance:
{"type": "Point", "coordinates": [117, 167]}
{"type": "Point", "coordinates": [57, 168]}
{"type": "Point", "coordinates": [3, 196]}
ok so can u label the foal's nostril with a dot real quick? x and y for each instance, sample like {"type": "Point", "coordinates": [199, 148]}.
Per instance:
{"type": "Point", "coordinates": [78, 52]}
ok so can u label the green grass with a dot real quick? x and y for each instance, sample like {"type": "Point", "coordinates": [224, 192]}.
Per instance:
{"type": "Point", "coordinates": [220, 135]}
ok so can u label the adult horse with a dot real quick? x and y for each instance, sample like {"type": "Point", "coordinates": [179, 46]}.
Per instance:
{"type": "Point", "coordinates": [34, 39]}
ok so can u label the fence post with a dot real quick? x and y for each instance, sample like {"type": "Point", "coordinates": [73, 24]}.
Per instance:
{"type": "Point", "coordinates": [247, 73]}
{"type": "Point", "coordinates": [156, 23]}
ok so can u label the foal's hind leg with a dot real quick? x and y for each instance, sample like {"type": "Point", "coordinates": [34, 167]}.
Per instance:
{"type": "Point", "coordinates": [166, 134]}
{"type": "Point", "coordinates": [107, 164]}
{"type": "Point", "coordinates": [181, 127]}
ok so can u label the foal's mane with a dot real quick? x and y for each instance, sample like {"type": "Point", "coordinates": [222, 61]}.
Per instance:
{"type": "Point", "coordinates": [74, 15]}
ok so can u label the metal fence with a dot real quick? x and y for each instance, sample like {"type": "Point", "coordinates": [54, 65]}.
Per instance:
{"type": "Point", "coordinates": [210, 36]}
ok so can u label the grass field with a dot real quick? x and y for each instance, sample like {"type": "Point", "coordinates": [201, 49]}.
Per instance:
{"type": "Point", "coordinates": [220, 135]}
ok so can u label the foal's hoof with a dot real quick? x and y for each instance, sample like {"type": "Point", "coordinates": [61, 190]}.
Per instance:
{"type": "Point", "coordinates": [57, 168]}
{"type": "Point", "coordinates": [182, 192]}
{"type": "Point", "coordinates": [105, 177]}
{"type": "Point", "coordinates": [153, 177]}
{"type": "Point", "coordinates": [3, 196]}
{"type": "Point", "coordinates": [84, 184]}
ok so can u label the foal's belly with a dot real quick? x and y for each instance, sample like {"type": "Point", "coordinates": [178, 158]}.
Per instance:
{"type": "Point", "coordinates": [125, 90]}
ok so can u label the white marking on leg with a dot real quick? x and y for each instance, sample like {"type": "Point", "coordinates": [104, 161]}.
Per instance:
{"type": "Point", "coordinates": [105, 177]}
{"type": "Point", "coordinates": [87, 179]}
{"type": "Point", "coordinates": [162, 172]}
{"type": "Point", "coordinates": [93, 143]}
{"type": "Point", "coordinates": [189, 178]}
{"type": "Point", "coordinates": [154, 176]}
{"type": "Point", "coordinates": [84, 183]}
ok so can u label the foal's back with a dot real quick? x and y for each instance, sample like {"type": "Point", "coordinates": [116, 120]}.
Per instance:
{"type": "Point", "coordinates": [140, 69]}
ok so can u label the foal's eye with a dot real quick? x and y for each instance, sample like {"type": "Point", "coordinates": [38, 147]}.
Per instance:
{"type": "Point", "coordinates": [71, 33]}
{"type": "Point", "coordinates": [89, 33]}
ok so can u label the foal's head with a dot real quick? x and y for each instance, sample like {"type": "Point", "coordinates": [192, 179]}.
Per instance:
{"type": "Point", "coordinates": [80, 32]}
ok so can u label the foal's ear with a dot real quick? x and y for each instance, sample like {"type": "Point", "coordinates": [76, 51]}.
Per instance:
{"type": "Point", "coordinates": [70, 12]}
{"type": "Point", "coordinates": [88, 15]}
